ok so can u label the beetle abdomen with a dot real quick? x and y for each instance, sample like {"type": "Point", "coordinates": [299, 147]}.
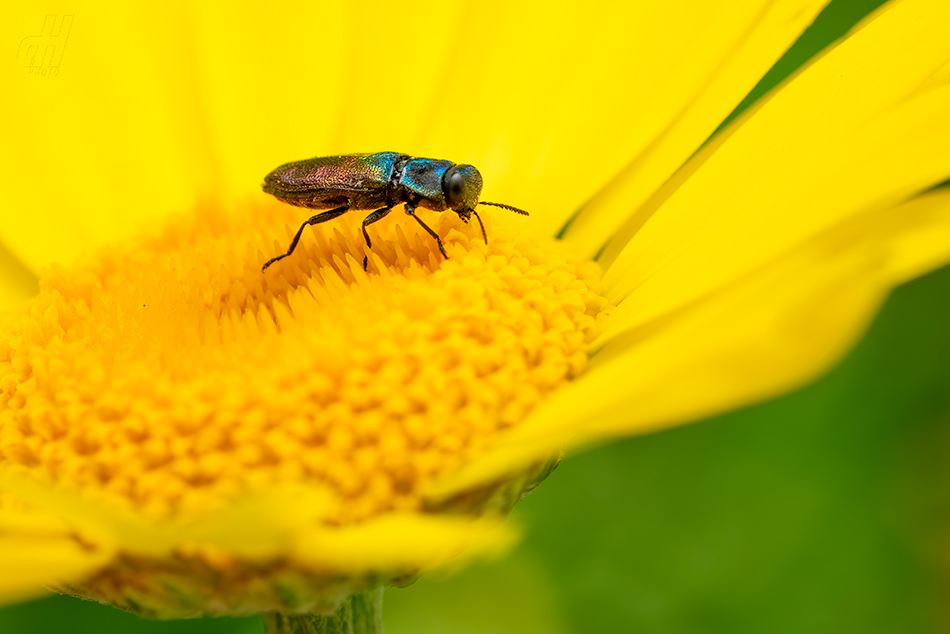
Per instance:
{"type": "Point", "coordinates": [331, 181]}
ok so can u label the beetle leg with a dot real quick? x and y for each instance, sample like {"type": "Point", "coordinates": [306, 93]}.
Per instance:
{"type": "Point", "coordinates": [322, 217]}
{"type": "Point", "coordinates": [379, 214]}
{"type": "Point", "coordinates": [482, 225]}
{"type": "Point", "coordinates": [412, 212]}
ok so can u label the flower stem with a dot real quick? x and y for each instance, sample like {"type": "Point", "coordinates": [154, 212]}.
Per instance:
{"type": "Point", "coordinates": [361, 613]}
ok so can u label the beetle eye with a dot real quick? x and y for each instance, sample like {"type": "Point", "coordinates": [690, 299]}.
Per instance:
{"type": "Point", "coordinates": [456, 187]}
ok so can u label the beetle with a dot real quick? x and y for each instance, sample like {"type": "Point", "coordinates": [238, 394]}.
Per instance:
{"type": "Point", "coordinates": [379, 182]}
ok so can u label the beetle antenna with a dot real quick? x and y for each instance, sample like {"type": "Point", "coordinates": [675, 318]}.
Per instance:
{"type": "Point", "coordinates": [508, 207]}
{"type": "Point", "coordinates": [482, 225]}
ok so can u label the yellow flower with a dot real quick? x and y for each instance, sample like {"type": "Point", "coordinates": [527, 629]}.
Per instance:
{"type": "Point", "coordinates": [181, 434]}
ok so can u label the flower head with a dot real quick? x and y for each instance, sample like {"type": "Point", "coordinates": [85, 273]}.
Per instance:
{"type": "Point", "coordinates": [181, 433]}
{"type": "Point", "coordinates": [169, 378]}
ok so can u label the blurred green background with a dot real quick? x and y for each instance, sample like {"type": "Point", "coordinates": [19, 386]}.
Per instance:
{"type": "Point", "coordinates": [822, 511]}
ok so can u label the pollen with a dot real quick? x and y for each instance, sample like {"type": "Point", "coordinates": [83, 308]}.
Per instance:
{"type": "Point", "coordinates": [170, 375]}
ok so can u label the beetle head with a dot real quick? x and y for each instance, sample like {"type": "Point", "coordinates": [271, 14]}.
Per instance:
{"type": "Point", "coordinates": [462, 185]}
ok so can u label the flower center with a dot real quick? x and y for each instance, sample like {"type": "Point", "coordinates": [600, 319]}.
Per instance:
{"type": "Point", "coordinates": [172, 375]}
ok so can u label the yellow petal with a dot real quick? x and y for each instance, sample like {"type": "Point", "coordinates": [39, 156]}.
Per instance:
{"type": "Point", "coordinates": [67, 540]}
{"type": "Point", "coordinates": [403, 541]}
{"type": "Point", "coordinates": [284, 522]}
{"type": "Point", "coordinates": [39, 549]}
{"type": "Point", "coordinates": [17, 283]}
{"type": "Point", "coordinates": [108, 132]}
{"type": "Point", "coordinates": [211, 100]}
{"type": "Point", "coordinates": [763, 334]}
{"type": "Point", "coordinates": [804, 244]}
{"type": "Point", "coordinates": [924, 247]}
{"type": "Point", "coordinates": [29, 563]}
{"type": "Point", "coordinates": [151, 110]}
{"type": "Point", "coordinates": [564, 104]}
{"type": "Point", "coordinates": [722, 75]}
{"type": "Point", "coordinates": [861, 129]}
